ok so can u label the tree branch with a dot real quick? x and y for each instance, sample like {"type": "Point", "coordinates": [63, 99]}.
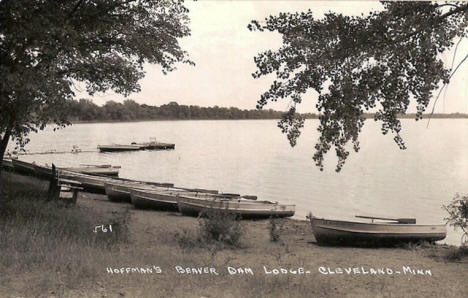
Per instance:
{"type": "Point", "coordinates": [454, 11]}
{"type": "Point", "coordinates": [447, 4]}
{"type": "Point", "coordinates": [440, 91]}
{"type": "Point", "coordinates": [75, 8]}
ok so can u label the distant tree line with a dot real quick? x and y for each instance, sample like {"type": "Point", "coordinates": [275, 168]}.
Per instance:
{"type": "Point", "coordinates": [423, 116]}
{"type": "Point", "coordinates": [129, 110]}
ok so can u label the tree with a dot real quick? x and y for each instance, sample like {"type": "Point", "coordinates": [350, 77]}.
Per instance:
{"type": "Point", "coordinates": [356, 64]}
{"type": "Point", "coordinates": [47, 47]}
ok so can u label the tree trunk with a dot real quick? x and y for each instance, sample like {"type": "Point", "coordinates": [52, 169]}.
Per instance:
{"type": "Point", "coordinates": [3, 146]}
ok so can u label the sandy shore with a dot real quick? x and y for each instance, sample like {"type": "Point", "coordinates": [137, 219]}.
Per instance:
{"type": "Point", "coordinates": [153, 263]}
{"type": "Point", "coordinates": [294, 266]}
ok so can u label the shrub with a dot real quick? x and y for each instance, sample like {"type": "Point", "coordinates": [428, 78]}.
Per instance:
{"type": "Point", "coordinates": [220, 226]}
{"type": "Point", "coordinates": [458, 215]}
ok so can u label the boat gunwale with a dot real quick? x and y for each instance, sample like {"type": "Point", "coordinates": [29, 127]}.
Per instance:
{"type": "Point", "coordinates": [142, 197]}
{"type": "Point", "coordinates": [293, 209]}
{"type": "Point", "coordinates": [214, 198]}
{"type": "Point", "coordinates": [376, 223]}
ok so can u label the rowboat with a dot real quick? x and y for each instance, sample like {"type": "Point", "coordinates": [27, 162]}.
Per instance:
{"type": "Point", "coordinates": [96, 170]}
{"type": "Point", "coordinates": [89, 182]}
{"type": "Point", "coordinates": [44, 172]}
{"type": "Point", "coordinates": [338, 232]}
{"type": "Point", "coordinates": [245, 208]}
{"type": "Point", "coordinates": [119, 191]}
{"type": "Point", "coordinates": [155, 199]}
{"type": "Point", "coordinates": [23, 167]}
{"type": "Point", "coordinates": [7, 165]}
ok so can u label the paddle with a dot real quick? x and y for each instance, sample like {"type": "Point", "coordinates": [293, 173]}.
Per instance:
{"type": "Point", "coordinates": [97, 166]}
{"type": "Point", "coordinates": [399, 220]}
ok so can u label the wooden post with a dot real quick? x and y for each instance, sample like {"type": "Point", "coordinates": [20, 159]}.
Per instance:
{"type": "Point", "coordinates": [54, 188]}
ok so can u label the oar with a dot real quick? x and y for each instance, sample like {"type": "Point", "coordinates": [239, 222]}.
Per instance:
{"type": "Point", "coordinates": [99, 166]}
{"type": "Point", "coordinates": [202, 190]}
{"type": "Point", "coordinates": [399, 220]}
{"type": "Point", "coordinates": [229, 195]}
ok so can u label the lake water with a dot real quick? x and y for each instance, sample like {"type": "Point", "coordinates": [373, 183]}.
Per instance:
{"type": "Point", "coordinates": [253, 157]}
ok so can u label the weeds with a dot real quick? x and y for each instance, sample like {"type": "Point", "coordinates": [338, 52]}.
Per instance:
{"type": "Point", "coordinates": [276, 228]}
{"type": "Point", "coordinates": [36, 234]}
{"type": "Point", "coordinates": [187, 239]}
{"type": "Point", "coordinates": [217, 229]}
{"type": "Point", "coordinates": [221, 226]}
{"type": "Point", "coordinates": [419, 245]}
{"type": "Point", "coordinates": [456, 253]}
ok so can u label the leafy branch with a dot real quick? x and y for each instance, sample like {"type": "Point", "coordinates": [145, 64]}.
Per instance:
{"type": "Point", "coordinates": [458, 215]}
{"type": "Point", "coordinates": [378, 62]}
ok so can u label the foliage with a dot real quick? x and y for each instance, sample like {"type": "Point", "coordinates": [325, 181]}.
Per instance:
{"type": "Point", "coordinates": [379, 62]}
{"type": "Point", "coordinates": [221, 226]}
{"type": "Point", "coordinates": [458, 215]}
{"type": "Point", "coordinates": [86, 110]}
{"type": "Point", "coordinates": [48, 47]}
{"type": "Point", "coordinates": [217, 229]}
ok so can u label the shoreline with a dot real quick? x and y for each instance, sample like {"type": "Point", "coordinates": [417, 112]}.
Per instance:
{"type": "Point", "coordinates": [159, 257]}
{"type": "Point", "coordinates": [210, 119]}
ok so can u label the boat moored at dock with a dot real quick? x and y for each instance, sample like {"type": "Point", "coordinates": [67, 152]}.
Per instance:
{"type": "Point", "coordinates": [136, 146]}
{"type": "Point", "coordinates": [155, 146]}
{"type": "Point", "coordinates": [118, 148]}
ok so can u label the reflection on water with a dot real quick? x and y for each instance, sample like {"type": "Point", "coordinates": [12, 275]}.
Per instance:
{"type": "Point", "coordinates": [253, 157]}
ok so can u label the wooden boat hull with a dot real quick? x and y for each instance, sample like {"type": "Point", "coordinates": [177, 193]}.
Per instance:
{"type": "Point", "coordinates": [23, 167]}
{"type": "Point", "coordinates": [94, 184]}
{"type": "Point", "coordinates": [335, 232]}
{"type": "Point", "coordinates": [243, 208]}
{"type": "Point", "coordinates": [147, 199]}
{"type": "Point", "coordinates": [111, 171]}
{"type": "Point", "coordinates": [120, 192]}
{"type": "Point", "coordinates": [43, 172]}
{"type": "Point", "coordinates": [7, 165]}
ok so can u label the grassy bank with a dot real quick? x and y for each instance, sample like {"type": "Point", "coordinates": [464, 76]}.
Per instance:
{"type": "Point", "coordinates": [50, 250]}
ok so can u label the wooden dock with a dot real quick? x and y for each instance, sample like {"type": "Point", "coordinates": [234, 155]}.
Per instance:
{"type": "Point", "coordinates": [136, 147]}
{"type": "Point", "coordinates": [156, 146]}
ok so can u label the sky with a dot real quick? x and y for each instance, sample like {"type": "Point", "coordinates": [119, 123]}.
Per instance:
{"type": "Point", "coordinates": [223, 49]}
